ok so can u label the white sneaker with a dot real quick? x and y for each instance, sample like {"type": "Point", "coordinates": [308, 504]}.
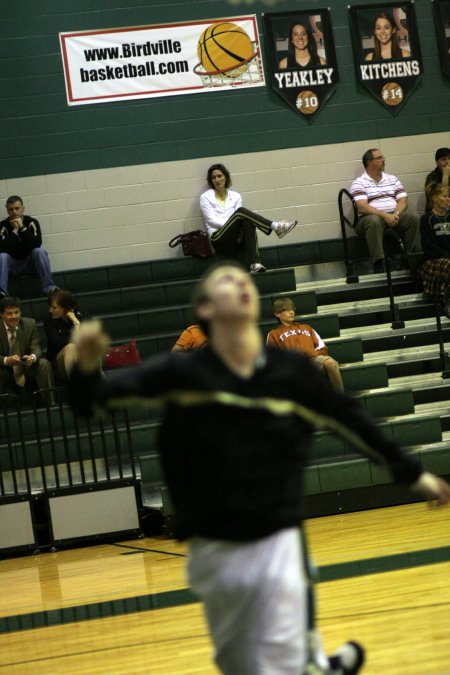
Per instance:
{"type": "Point", "coordinates": [256, 268]}
{"type": "Point", "coordinates": [283, 228]}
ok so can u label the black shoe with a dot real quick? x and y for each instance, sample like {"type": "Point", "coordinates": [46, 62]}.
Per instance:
{"type": "Point", "coordinates": [348, 660]}
{"type": "Point", "coordinates": [379, 266]}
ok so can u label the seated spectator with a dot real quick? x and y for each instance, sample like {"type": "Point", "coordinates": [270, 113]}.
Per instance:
{"type": "Point", "coordinates": [435, 234]}
{"type": "Point", "coordinates": [230, 226]}
{"type": "Point", "coordinates": [382, 203]}
{"type": "Point", "coordinates": [191, 338]}
{"type": "Point", "coordinates": [65, 317]}
{"type": "Point", "coordinates": [302, 338]}
{"type": "Point", "coordinates": [21, 360]}
{"type": "Point", "coordinates": [440, 175]}
{"type": "Point", "coordinates": [20, 247]}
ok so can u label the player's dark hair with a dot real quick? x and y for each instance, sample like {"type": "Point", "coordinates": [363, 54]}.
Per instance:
{"type": "Point", "coordinates": [223, 169]}
{"type": "Point", "coordinates": [396, 52]}
{"type": "Point", "coordinates": [312, 45]}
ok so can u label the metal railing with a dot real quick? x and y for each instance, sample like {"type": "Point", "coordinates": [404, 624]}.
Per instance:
{"type": "Point", "coordinates": [46, 446]}
{"type": "Point", "coordinates": [346, 203]}
{"type": "Point", "coordinates": [347, 221]}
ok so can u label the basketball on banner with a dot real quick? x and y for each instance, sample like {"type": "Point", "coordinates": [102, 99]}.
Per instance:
{"type": "Point", "coordinates": [225, 48]}
{"type": "Point", "coordinates": [307, 102]}
{"type": "Point", "coordinates": [392, 93]}
{"type": "Point", "coordinates": [226, 52]}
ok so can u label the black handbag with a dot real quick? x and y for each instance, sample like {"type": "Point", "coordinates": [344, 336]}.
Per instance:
{"type": "Point", "coordinates": [194, 243]}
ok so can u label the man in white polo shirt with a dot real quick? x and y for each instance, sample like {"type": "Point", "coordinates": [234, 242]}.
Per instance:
{"type": "Point", "coordinates": [383, 203]}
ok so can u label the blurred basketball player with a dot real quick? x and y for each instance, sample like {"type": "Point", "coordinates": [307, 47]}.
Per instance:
{"type": "Point", "coordinates": [235, 439]}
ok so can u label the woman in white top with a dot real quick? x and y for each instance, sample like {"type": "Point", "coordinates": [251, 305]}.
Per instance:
{"type": "Point", "coordinates": [230, 226]}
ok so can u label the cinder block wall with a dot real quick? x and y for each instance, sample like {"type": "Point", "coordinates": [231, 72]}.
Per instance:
{"type": "Point", "coordinates": [112, 183]}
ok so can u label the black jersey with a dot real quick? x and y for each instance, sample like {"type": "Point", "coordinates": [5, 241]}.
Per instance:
{"type": "Point", "coordinates": [234, 449]}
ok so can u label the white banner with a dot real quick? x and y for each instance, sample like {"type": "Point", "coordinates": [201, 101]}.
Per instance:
{"type": "Point", "coordinates": [164, 60]}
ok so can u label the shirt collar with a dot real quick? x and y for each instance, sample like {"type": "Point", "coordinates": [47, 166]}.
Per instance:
{"type": "Point", "coordinates": [7, 328]}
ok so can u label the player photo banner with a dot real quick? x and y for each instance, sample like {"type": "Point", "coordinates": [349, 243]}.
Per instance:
{"type": "Point", "coordinates": [162, 60]}
{"type": "Point", "coordinates": [441, 12]}
{"type": "Point", "coordinates": [386, 51]}
{"type": "Point", "coordinates": [302, 58]}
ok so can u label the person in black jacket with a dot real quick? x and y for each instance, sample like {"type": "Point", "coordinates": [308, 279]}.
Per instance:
{"type": "Point", "coordinates": [440, 174]}
{"type": "Point", "coordinates": [20, 247]}
{"type": "Point", "coordinates": [64, 319]}
{"type": "Point", "coordinates": [235, 439]}
{"type": "Point", "coordinates": [435, 236]}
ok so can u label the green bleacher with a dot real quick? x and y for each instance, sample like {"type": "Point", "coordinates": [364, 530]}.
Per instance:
{"type": "Point", "coordinates": [149, 302]}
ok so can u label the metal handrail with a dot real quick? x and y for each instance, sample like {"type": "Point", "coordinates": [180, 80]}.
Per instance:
{"type": "Point", "coordinates": [395, 312]}
{"type": "Point", "coordinates": [351, 277]}
{"type": "Point", "coordinates": [443, 355]}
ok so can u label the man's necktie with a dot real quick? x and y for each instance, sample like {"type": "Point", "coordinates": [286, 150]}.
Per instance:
{"type": "Point", "coordinates": [19, 376]}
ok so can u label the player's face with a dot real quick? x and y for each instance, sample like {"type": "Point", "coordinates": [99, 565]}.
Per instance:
{"type": "Point", "coordinates": [11, 316]}
{"type": "Point", "coordinates": [15, 210]}
{"type": "Point", "coordinates": [232, 295]}
{"type": "Point", "coordinates": [56, 310]}
{"type": "Point", "coordinates": [299, 37]}
{"type": "Point", "coordinates": [383, 31]}
{"type": "Point", "coordinates": [218, 179]}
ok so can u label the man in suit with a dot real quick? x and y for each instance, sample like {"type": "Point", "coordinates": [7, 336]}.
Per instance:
{"type": "Point", "coordinates": [21, 357]}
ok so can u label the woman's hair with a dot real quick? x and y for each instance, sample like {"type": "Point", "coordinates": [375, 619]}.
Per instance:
{"type": "Point", "coordinates": [223, 169]}
{"type": "Point", "coordinates": [396, 52]}
{"type": "Point", "coordinates": [64, 299]}
{"type": "Point", "coordinates": [312, 46]}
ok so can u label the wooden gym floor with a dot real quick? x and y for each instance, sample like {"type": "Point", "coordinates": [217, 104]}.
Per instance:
{"type": "Point", "coordinates": [125, 608]}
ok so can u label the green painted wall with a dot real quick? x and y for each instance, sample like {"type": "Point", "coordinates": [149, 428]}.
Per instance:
{"type": "Point", "coordinates": [40, 134]}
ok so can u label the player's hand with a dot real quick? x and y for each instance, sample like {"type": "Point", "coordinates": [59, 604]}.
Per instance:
{"type": "Point", "coordinates": [27, 360]}
{"type": "Point", "coordinates": [16, 223]}
{"type": "Point", "coordinates": [92, 344]}
{"type": "Point", "coordinates": [433, 488]}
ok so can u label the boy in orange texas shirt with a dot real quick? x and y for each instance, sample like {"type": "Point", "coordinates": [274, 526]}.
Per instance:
{"type": "Point", "coordinates": [302, 338]}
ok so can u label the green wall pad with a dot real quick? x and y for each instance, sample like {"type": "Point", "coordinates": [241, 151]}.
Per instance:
{"type": "Point", "coordinates": [357, 378]}
{"type": "Point", "coordinates": [436, 460]}
{"type": "Point", "coordinates": [344, 475]}
{"type": "Point", "coordinates": [389, 403]}
{"type": "Point", "coordinates": [348, 350]}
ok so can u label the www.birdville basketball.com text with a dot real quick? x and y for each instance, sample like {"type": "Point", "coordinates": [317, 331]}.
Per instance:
{"type": "Point", "coordinates": [131, 70]}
